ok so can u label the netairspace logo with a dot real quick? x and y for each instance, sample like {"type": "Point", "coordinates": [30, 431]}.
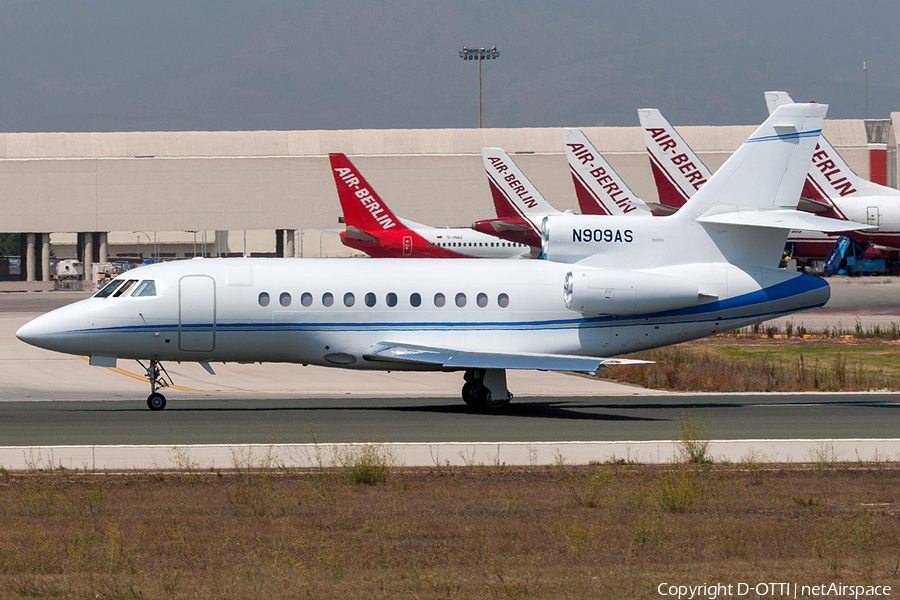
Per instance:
{"type": "Point", "coordinates": [772, 590]}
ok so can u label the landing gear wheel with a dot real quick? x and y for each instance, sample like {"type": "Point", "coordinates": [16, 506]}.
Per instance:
{"type": "Point", "coordinates": [495, 405]}
{"type": "Point", "coordinates": [156, 401]}
{"type": "Point", "coordinates": [476, 394]}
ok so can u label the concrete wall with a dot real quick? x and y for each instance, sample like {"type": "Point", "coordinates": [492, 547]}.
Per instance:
{"type": "Point", "coordinates": [266, 180]}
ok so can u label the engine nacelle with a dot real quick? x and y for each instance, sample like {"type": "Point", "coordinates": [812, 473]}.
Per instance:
{"type": "Point", "coordinates": [626, 293]}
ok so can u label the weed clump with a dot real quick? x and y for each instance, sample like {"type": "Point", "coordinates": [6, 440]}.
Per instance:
{"type": "Point", "coordinates": [366, 463]}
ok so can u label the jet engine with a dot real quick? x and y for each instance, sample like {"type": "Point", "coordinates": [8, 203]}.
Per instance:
{"type": "Point", "coordinates": [626, 293]}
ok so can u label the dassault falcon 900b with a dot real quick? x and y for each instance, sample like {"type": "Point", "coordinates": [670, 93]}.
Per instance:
{"type": "Point", "coordinates": [649, 282]}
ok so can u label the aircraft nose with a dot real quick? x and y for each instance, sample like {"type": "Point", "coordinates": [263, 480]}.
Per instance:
{"type": "Point", "coordinates": [62, 330]}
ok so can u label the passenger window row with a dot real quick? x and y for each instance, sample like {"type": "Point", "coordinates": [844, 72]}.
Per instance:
{"type": "Point", "coordinates": [476, 244]}
{"type": "Point", "coordinates": [390, 299]}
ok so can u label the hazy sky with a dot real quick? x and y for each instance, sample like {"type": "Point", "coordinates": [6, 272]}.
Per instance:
{"type": "Point", "coordinates": [116, 65]}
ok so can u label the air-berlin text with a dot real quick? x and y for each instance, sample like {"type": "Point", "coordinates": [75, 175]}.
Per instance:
{"type": "Point", "coordinates": [832, 172]}
{"type": "Point", "coordinates": [366, 198]}
{"type": "Point", "coordinates": [514, 185]}
{"type": "Point", "coordinates": [685, 166]}
{"type": "Point", "coordinates": [613, 191]}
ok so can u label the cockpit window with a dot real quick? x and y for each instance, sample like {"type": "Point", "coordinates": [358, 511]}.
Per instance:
{"type": "Point", "coordinates": [146, 288]}
{"type": "Point", "coordinates": [109, 288]}
{"type": "Point", "coordinates": [124, 288]}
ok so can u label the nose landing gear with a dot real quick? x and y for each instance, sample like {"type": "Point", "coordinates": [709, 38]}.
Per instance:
{"type": "Point", "coordinates": [158, 377]}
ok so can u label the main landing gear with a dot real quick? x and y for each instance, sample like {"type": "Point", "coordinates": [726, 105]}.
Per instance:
{"type": "Point", "coordinates": [485, 389]}
{"type": "Point", "coordinates": [158, 377]}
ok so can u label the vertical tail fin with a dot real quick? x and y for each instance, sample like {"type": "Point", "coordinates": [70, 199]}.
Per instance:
{"type": "Point", "coordinates": [830, 177]}
{"type": "Point", "coordinates": [768, 170]}
{"type": "Point", "coordinates": [599, 189]}
{"type": "Point", "coordinates": [363, 208]}
{"type": "Point", "coordinates": [514, 195]}
{"type": "Point", "coordinates": [678, 171]}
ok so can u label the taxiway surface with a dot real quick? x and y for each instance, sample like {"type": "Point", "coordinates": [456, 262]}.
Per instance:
{"type": "Point", "coordinates": [52, 400]}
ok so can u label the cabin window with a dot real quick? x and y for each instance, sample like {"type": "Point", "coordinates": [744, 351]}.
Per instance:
{"type": "Point", "coordinates": [460, 299]}
{"type": "Point", "coordinates": [349, 299]}
{"type": "Point", "coordinates": [391, 299]}
{"type": "Point", "coordinates": [415, 299]}
{"type": "Point", "coordinates": [109, 288]}
{"type": "Point", "coordinates": [439, 300]}
{"type": "Point", "coordinates": [147, 288]}
{"type": "Point", "coordinates": [125, 288]}
{"type": "Point", "coordinates": [503, 300]}
{"type": "Point", "coordinates": [284, 299]}
{"type": "Point", "coordinates": [306, 299]}
{"type": "Point", "coordinates": [481, 300]}
{"type": "Point", "coordinates": [327, 299]}
{"type": "Point", "coordinates": [263, 299]}
{"type": "Point", "coordinates": [370, 299]}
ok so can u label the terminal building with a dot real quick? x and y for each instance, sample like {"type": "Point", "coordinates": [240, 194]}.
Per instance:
{"type": "Point", "coordinates": [102, 197]}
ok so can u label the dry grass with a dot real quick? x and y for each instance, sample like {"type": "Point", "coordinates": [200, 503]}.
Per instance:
{"type": "Point", "coordinates": [475, 532]}
{"type": "Point", "coordinates": [730, 363]}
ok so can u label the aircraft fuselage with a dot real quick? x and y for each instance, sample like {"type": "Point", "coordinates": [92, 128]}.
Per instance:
{"type": "Point", "coordinates": [331, 311]}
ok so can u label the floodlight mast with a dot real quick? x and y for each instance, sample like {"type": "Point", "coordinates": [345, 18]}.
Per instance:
{"type": "Point", "coordinates": [479, 54]}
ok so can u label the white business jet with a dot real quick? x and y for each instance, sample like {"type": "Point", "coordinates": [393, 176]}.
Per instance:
{"type": "Point", "coordinates": [650, 282]}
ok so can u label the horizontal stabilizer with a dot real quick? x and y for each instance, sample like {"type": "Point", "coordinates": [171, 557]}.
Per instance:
{"type": "Point", "coordinates": [355, 233]}
{"type": "Point", "coordinates": [508, 225]}
{"type": "Point", "coordinates": [662, 210]}
{"type": "Point", "coordinates": [811, 205]}
{"type": "Point", "coordinates": [467, 359]}
{"type": "Point", "coordinates": [784, 219]}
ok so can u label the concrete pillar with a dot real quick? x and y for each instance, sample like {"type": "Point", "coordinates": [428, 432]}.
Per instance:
{"type": "Point", "coordinates": [222, 242]}
{"type": "Point", "coordinates": [279, 243]}
{"type": "Point", "coordinates": [29, 257]}
{"type": "Point", "coordinates": [104, 246]}
{"type": "Point", "coordinates": [289, 243]}
{"type": "Point", "coordinates": [88, 257]}
{"type": "Point", "coordinates": [45, 257]}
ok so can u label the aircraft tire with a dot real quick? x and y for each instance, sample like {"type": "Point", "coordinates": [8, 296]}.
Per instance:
{"type": "Point", "coordinates": [475, 394]}
{"type": "Point", "coordinates": [156, 401]}
{"type": "Point", "coordinates": [496, 405]}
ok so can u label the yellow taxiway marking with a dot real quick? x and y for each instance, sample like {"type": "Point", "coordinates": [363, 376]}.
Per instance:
{"type": "Point", "coordinates": [127, 373]}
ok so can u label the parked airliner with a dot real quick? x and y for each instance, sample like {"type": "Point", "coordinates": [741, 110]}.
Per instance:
{"type": "Point", "coordinates": [645, 283]}
{"type": "Point", "coordinates": [373, 228]}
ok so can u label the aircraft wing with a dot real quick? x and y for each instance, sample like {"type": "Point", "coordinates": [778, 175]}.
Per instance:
{"type": "Point", "coordinates": [785, 219]}
{"type": "Point", "coordinates": [469, 359]}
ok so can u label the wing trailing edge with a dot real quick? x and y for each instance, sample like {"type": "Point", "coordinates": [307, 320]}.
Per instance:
{"type": "Point", "coordinates": [455, 358]}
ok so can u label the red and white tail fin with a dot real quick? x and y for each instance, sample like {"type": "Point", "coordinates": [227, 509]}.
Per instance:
{"type": "Point", "coordinates": [678, 171]}
{"type": "Point", "coordinates": [830, 177]}
{"type": "Point", "coordinates": [363, 208]}
{"type": "Point", "coordinates": [599, 189]}
{"type": "Point", "coordinates": [514, 195]}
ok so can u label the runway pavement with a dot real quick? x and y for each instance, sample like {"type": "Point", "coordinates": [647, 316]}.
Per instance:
{"type": "Point", "coordinates": [279, 407]}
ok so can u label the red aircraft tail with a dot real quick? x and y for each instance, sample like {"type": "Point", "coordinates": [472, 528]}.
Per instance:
{"type": "Point", "coordinates": [363, 208]}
